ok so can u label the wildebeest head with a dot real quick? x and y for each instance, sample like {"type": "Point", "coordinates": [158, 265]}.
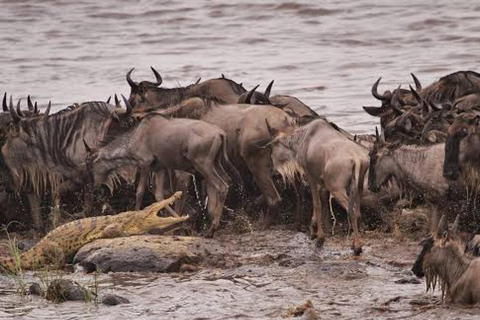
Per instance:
{"type": "Point", "coordinates": [463, 130]}
{"type": "Point", "coordinates": [381, 162]}
{"type": "Point", "coordinates": [254, 97]}
{"type": "Point", "coordinates": [141, 93]}
{"type": "Point", "coordinates": [439, 243]}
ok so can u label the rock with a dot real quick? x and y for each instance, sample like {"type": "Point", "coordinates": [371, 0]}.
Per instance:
{"type": "Point", "coordinates": [35, 290]}
{"type": "Point", "coordinates": [113, 300]}
{"type": "Point", "coordinates": [147, 253]}
{"type": "Point", "coordinates": [414, 221]}
{"type": "Point", "coordinates": [60, 290]}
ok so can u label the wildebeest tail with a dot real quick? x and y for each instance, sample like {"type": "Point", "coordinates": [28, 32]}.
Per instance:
{"type": "Point", "coordinates": [356, 184]}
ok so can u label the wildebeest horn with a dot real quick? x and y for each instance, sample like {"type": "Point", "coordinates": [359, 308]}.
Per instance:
{"type": "Point", "coordinates": [418, 85]}
{"type": "Point", "coordinates": [131, 83]}
{"type": "Point", "coordinates": [87, 147]}
{"type": "Point", "coordinates": [416, 95]}
{"type": "Point", "coordinates": [127, 104]}
{"type": "Point", "coordinates": [19, 111]}
{"type": "Point", "coordinates": [5, 107]}
{"type": "Point", "coordinates": [29, 103]}
{"type": "Point", "coordinates": [108, 100]}
{"type": "Point", "coordinates": [269, 88]}
{"type": "Point", "coordinates": [250, 94]}
{"type": "Point", "coordinates": [270, 131]}
{"type": "Point", "coordinates": [375, 91]}
{"type": "Point", "coordinates": [35, 108]}
{"type": "Point", "coordinates": [223, 76]}
{"type": "Point", "coordinates": [47, 111]}
{"type": "Point", "coordinates": [117, 102]}
{"type": "Point", "coordinates": [433, 106]}
{"type": "Point", "coordinates": [13, 113]}
{"type": "Point", "coordinates": [456, 223]}
{"type": "Point", "coordinates": [198, 81]}
{"type": "Point", "coordinates": [442, 226]}
{"type": "Point", "coordinates": [157, 76]}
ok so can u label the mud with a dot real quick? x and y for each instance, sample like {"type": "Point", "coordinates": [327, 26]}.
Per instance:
{"type": "Point", "coordinates": [262, 275]}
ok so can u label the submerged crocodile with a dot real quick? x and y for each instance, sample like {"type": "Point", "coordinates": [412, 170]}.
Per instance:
{"type": "Point", "coordinates": [61, 244]}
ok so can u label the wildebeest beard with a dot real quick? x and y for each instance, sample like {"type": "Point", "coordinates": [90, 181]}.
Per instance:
{"type": "Point", "coordinates": [41, 152]}
{"type": "Point", "coordinates": [291, 170]}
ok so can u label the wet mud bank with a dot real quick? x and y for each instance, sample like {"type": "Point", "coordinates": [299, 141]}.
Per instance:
{"type": "Point", "coordinates": [258, 275]}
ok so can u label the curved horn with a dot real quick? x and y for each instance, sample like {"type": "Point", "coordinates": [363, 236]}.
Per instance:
{"type": "Point", "coordinates": [5, 107]}
{"type": "Point", "coordinates": [29, 103]}
{"type": "Point", "coordinates": [198, 81]}
{"type": "Point", "coordinates": [456, 223]}
{"type": "Point", "coordinates": [375, 91]}
{"type": "Point", "coordinates": [157, 76]}
{"type": "Point", "coordinates": [418, 85]}
{"type": "Point", "coordinates": [128, 105]}
{"type": "Point", "coordinates": [13, 113]}
{"type": "Point", "coordinates": [19, 111]}
{"type": "Point", "coordinates": [269, 88]}
{"type": "Point", "coordinates": [131, 83]}
{"type": "Point", "coordinates": [108, 100]}
{"type": "Point", "coordinates": [377, 136]}
{"type": "Point", "coordinates": [250, 94]}
{"type": "Point", "coordinates": [47, 111]}
{"type": "Point", "coordinates": [270, 131]}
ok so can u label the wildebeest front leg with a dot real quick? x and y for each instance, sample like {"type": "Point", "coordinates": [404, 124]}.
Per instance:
{"type": "Point", "coordinates": [142, 184]}
{"type": "Point", "coordinates": [216, 199]}
{"type": "Point", "coordinates": [316, 228]}
{"type": "Point", "coordinates": [34, 202]}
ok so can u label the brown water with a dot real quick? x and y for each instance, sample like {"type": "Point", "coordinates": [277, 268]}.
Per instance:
{"type": "Point", "coordinates": [327, 53]}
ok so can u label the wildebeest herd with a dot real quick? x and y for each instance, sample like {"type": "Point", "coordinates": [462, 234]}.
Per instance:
{"type": "Point", "coordinates": [238, 147]}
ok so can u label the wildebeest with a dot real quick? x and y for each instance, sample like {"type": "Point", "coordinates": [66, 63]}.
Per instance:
{"type": "Point", "coordinates": [147, 95]}
{"type": "Point", "coordinates": [443, 261]}
{"type": "Point", "coordinates": [158, 143]}
{"type": "Point", "coordinates": [244, 125]}
{"type": "Point", "coordinates": [44, 153]}
{"type": "Point", "coordinates": [255, 97]}
{"type": "Point", "coordinates": [329, 161]}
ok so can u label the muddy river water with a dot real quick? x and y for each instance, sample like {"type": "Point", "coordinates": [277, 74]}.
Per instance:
{"type": "Point", "coordinates": [326, 53]}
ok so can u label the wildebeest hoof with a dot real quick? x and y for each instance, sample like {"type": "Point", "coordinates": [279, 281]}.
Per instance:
{"type": "Point", "coordinates": [210, 233]}
{"type": "Point", "coordinates": [357, 251]}
{"type": "Point", "coordinates": [320, 242]}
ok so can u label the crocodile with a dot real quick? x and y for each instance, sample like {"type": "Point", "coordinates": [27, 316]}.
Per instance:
{"type": "Point", "coordinates": [61, 244]}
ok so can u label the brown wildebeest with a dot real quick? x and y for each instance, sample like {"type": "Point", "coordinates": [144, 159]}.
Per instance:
{"type": "Point", "coordinates": [254, 97]}
{"type": "Point", "coordinates": [147, 95]}
{"type": "Point", "coordinates": [443, 260]}
{"type": "Point", "coordinates": [244, 125]}
{"type": "Point", "coordinates": [329, 162]}
{"type": "Point", "coordinates": [158, 143]}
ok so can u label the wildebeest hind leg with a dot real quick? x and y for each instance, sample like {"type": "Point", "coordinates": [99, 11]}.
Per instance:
{"type": "Point", "coordinates": [216, 199]}
{"type": "Point", "coordinates": [34, 202]}
{"type": "Point", "coordinates": [316, 228]}
{"type": "Point", "coordinates": [142, 184]}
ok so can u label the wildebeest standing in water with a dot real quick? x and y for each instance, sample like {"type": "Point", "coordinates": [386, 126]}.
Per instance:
{"type": "Point", "coordinates": [443, 260]}
{"type": "Point", "coordinates": [46, 153]}
{"type": "Point", "coordinates": [147, 95]}
{"type": "Point", "coordinates": [330, 162]}
{"type": "Point", "coordinates": [158, 143]}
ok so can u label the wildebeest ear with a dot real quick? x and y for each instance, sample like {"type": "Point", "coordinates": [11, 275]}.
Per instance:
{"type": "Point", "coordinates": [117, 102]}
{"type": "Point", "coordinates": [29, 103]}
{"type": "Point", "coordinates": [4, 104]}
{"type": "Point", "coordinates": [442, 227]}
{"type": "Point", "coordinates": [198, 81]}
{"type": "Point", "coordinates": [47, 111]}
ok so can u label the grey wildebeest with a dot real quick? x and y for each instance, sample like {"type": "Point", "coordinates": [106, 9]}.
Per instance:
{"type": "Point", "coordinates": [158, 143]}
{"type": "Point", "coordinates": [244, 125]}
{"type": "Point", "coordinates": [329, 161]}
{"type": "Point", "coordinates": [147, 95]}
{"type": "Point", "coordinates": [44, 153]}
{"type": "Point", "coordinates": [443, 260]}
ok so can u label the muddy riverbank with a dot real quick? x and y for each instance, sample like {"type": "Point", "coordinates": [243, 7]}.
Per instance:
{"type": "Point", "coordinates": [263, 274]}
